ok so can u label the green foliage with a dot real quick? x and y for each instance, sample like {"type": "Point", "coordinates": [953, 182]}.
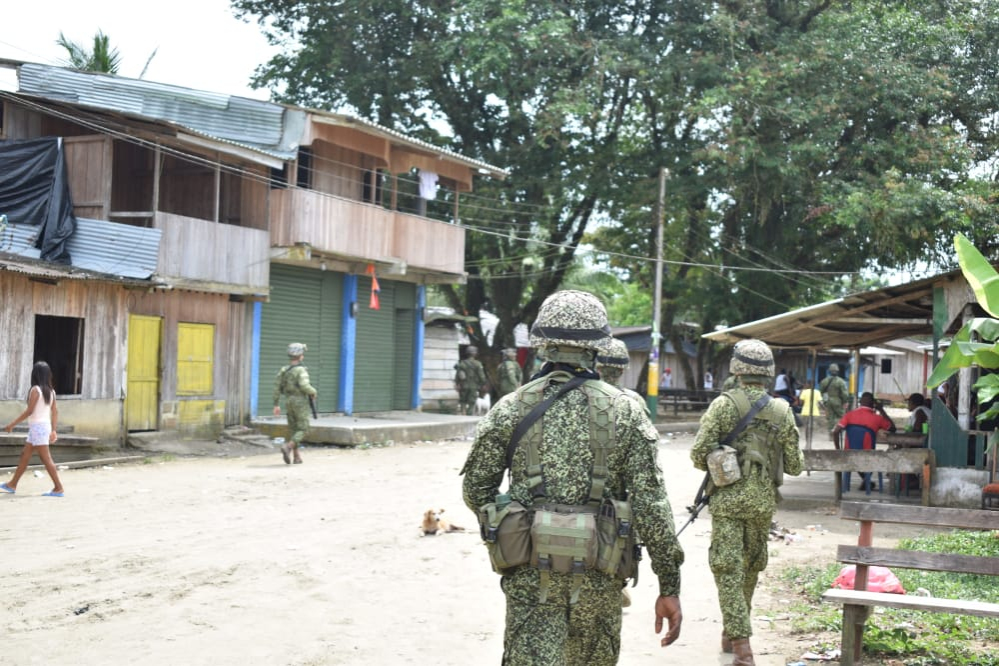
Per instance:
{"type": "Point", "coordinates": [913, 637]}
{"type": "Point", "coordinates": [101, 58]}
{"type": "Point", "coordinates": [804, 140]}
{"type": "Point", "coordinates": [965, 349]}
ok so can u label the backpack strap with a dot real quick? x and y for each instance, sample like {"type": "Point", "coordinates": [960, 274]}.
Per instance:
{"type": "Point", "coordinates": [535, 414]}
{"type": "Point", "coordinates": [740, 402]}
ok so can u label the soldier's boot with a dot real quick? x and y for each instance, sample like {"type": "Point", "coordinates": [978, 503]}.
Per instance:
{"type": "Point", "coordinates": [625, 599]}
{"type": "Point", "coordinates": [743, 652]}
{"type": "Point", "coordinates": [726, 644]}
{"type": "Point", "coordinates": [285, 454]}
{"type": "Point", "coordinates": [297, 459]}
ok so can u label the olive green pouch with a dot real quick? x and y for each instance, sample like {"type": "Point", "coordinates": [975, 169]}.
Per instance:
{"type": "Point", "coordinates": [505, 527]}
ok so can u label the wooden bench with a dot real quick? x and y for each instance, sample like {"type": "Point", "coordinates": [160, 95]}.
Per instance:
{"type": "Point", "coordinates": [892, 461]}
{"type": "Point", "coordinates": [858, 602]}
{"type": "Point", "coordinates": [688, 399]}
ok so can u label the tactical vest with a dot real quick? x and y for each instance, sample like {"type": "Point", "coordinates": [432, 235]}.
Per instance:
{"type": "Point", "coordinates": [596, 535]}
{"type": "Point", "coordinates": [756, 447]}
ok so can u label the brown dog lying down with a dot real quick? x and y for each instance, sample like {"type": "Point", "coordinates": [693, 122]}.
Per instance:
{"type": "Point", "coordinates": [434, 524]}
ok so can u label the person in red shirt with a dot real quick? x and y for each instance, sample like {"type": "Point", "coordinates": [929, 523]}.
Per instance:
{"type": "Point", "coordinates": [870, 414]}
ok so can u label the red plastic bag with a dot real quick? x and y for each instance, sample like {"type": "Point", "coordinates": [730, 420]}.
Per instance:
{"type": "Point", "coordinates": [879, 579]}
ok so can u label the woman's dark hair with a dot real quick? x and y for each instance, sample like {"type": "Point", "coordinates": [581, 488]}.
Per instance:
{"type": "Point", "coordinates": [917, 399]}
{"type": "Point", "coordinates": [41, 376]}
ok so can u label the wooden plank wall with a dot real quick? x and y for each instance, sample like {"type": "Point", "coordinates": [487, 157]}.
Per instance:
{"type": "Point", "coordinates": [88, 169]}
{"type": "Point", "coordinates": [337, 171]}
{"type": "Point", "coordinates": [331, 224]}
{"type": "Point", "coordinates": [429, 244]}
{"type": "Point", "coordinates": [101, 305]}
{"type": "Point", "coordinates": [232, 350]}
{"type": "Point", "coordinates": [202, 250]}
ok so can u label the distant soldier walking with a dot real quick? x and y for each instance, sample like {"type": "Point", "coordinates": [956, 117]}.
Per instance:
{"type": "Point", "coordinates": [761, 445]}
{"type": "Point", "coordinates": [509, 373]}
{"type": "Point", "coordinates": [292, 382]}
{"type": "Point", "coordinates": [469, 380]}
{"type": "Point", "coordinates": [835, 398]}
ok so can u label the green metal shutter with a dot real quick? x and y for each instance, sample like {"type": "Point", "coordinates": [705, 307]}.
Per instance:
{"type": "Point", "coordinates": [373, 371]}
{"type": "Point", "coordinates": [405, 334]}
{"type": "Point", "coordinates": [305, 306]}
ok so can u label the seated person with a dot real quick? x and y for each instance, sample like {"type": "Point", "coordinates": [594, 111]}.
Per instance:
{"type": "Point", "coordinates": [870, 414]}
{"type": "Point", "coordinates": [919, 413]}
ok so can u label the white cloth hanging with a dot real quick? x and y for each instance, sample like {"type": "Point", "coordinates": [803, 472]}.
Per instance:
{"type": "Point", "coordinates": [428, 185]}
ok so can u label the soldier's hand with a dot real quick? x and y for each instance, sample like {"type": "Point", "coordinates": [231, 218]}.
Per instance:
{"type": "Point", "coordinates": [669, 608]}
{"type": "Point", "coordinates": [277, 411]}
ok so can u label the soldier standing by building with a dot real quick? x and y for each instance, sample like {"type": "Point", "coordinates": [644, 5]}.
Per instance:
{"type": "Point", "coordinates": [293, 383]}
{"type": "Point", "coordinates": [509, 373]}
{"type": "Point", "coordinates": [742, 510]}
{"type": "Point", "coordinates": [469, 380]}
{"type": "Point", "coordinates": [565, 467]}
{"type": "Point", "coordinates": [835, 398]}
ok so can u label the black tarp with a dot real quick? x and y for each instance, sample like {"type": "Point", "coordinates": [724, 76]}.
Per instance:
{"type": "Point", "coordinates": [34, 190]}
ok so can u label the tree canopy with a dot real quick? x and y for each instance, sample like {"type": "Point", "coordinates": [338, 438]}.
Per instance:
{"type": "Point", "coordinates": [805, 141]}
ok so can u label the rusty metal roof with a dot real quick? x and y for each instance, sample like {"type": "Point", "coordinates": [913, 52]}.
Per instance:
{"type": "Point", "coordinates": [857, 320]}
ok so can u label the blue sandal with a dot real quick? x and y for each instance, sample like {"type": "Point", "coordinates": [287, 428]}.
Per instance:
{"type": "Point", "coordinates": [52, 493]}
{"type": "Point", "coordinates": [7, 489]}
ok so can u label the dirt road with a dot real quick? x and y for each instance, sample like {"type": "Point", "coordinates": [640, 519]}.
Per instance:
{"type": "Point", "coordinates": [247, 561]}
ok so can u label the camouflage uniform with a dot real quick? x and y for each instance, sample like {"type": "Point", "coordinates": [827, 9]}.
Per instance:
{"type": "Point", "coordinates": [835, 398]}
{"type": "Point", "coordinates": [469, 379]}
{"type": "Point", "coordinates": [293, 383]}
{"type": "Point", "coordinates": [611, 366]}
{"type": "Point", "coordinates": [556, 632]}
{"type": "Point", "coordinates": [509, 373]}
{"type": "Point", "coordinates": [741, 513]}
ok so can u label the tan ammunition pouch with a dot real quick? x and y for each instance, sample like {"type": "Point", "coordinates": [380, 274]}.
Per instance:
{"type": "Point", "coordinates": [505, 528]}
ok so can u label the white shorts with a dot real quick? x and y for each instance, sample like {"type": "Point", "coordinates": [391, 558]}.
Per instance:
{"type": "Point", "coordinates": [38, 433]}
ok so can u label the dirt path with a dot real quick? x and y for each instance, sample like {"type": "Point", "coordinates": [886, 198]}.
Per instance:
{"type": "Point", "coordinates": [245, 560]}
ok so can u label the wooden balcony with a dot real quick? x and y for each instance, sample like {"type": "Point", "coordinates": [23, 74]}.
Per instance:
{"type": "Point", "coordinates": [365, 232]}
{"type": "Point", "coordinates": [233, 259]}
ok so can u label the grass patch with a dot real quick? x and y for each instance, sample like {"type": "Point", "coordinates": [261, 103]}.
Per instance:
{"type": "Point", "coordinates": [914, 638]}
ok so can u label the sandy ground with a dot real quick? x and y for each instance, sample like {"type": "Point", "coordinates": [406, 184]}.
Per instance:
{"type": "Point", "coordinates": [244, 560]}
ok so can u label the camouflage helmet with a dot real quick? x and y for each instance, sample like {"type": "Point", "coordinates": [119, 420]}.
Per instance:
{"type": "Point", "coordinates": [752, 357]}
{"type": "Point", "coordinates": [616, 356]}
{"type": "Point", "coordinates": [471, 350]}
{"type": "Point", "coordinates": [510, 353]}
{"type": "Point", "coordinates": [572, 319]}
{"type": "Point", "coordinates": [833, 369]}
{"type": "Point", "coordinates": [296, 349]}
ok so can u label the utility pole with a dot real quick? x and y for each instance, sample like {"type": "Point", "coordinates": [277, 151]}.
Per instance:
{"type": "Point", "coordinates": [652, 394]}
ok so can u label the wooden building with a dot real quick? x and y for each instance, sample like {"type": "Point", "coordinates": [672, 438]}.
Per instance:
{"type": "Point", "coordinates": [259, 224]}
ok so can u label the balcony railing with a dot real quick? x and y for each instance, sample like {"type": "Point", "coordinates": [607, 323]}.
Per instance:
{"type": "Point", "coordinates": [210, 252]}
{"type": "Point", "coordinates": [366, 232]}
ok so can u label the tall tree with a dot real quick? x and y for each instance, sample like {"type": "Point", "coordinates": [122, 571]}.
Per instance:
{"type": "Point", "coordinates": [813, 136]}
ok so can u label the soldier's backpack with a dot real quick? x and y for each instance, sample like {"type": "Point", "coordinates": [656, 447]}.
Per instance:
{"type": "Point", "coordinates": [757, 448]}
{"type": "Point", "coordinates": [597, 535]}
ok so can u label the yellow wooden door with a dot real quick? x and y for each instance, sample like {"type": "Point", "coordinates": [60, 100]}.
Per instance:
{"type": "Point", "coordinates": [143, 390]}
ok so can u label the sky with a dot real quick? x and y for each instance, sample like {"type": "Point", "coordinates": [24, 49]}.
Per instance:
{"type": "Point", "coordinates": [200, 44]}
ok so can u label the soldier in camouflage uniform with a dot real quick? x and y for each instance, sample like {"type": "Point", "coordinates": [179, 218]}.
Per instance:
{"type": "Point", "coordinates": [835, 398]}
{"type": "Point", "coordinates": [741, 513]}
{"type": "Point", "coordinates": [611, 365]}
{"type": "Point", "coordinates": [293, 383]}
{"type": "Point", "coordinates": [509, 373]}
{"type": "Point", "coordinates": [469, 380]}
{"type": "Point", "coordinates": [543, 625]}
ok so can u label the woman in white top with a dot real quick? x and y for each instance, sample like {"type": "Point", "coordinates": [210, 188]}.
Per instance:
{"type": "Point", "coordinates": [42, 415]}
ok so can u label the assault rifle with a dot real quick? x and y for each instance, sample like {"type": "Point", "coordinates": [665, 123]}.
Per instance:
{"type": "Point", "coordinates": [700, 501]}
{"type": "Point", "coordinates": [312, 404]}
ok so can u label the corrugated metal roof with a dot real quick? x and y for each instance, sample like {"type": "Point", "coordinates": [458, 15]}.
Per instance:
{"type": "Point", "coordinates": [858, 320]}
{"type": "Point", "coordinates": [273, 129]}
{"type": "Point", "coordinates": [270, 128]}
{"type": "Point", "coordinates": [107, 248]}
